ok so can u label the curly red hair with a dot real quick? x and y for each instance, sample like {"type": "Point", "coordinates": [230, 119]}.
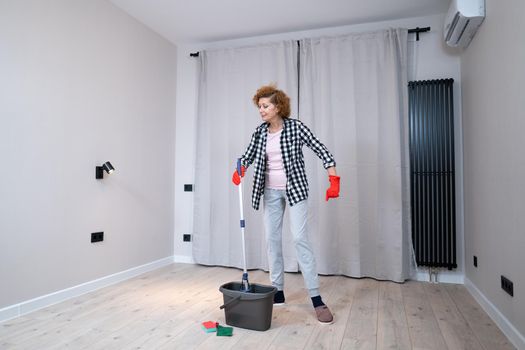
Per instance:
{"type": "Point", "coordinates": [276, 96]}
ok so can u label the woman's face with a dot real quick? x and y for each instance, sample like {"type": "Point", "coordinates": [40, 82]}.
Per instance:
{"type": "Point", "coordinates": [268, 111]}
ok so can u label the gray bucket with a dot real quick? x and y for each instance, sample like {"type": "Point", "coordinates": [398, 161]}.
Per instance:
{"type": "Point", "coordinates": [250, 310]}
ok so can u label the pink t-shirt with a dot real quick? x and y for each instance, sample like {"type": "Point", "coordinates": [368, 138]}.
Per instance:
{"type": "Point", "coordinates": [275, 175]}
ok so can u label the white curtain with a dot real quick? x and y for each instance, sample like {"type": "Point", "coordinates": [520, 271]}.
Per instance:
{"type": "Point", "coordinates": [227, 117]}
{"type": "Point", "coordinates": [353, 95]}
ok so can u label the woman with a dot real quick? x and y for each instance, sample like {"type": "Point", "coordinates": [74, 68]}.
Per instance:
{"type": "Point", "coordinates": [275, 150]}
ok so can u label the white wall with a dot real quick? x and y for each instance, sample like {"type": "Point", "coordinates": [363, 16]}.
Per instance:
{"type": "Point", "coordinates": [82, 83]}
{"type": "Point", "coordinates": [428, 58]}
{"type": "Point", "coordinates": [493, 75]}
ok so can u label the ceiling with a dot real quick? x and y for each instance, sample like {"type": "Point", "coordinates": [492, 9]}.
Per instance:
{"type": "Point", "coordinates": [198, 21]}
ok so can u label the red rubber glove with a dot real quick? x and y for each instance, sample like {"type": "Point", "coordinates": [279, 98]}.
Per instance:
{"type": "Point", "coordinates": [236, 179]}
{"type": "Point", "coordinates": [333, 190]}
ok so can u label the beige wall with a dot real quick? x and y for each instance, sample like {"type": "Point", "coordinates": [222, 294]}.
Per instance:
{"type": "Point", "coordinates": [493, 97]}
{"type": "Point", "coordinates": [81, 83]}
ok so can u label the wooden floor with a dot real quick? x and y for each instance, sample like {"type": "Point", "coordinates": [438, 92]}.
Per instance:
{"type": "Point", "coordinates": [163, 309]}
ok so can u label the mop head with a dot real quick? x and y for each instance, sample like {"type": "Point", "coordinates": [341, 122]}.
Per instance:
{"type": "Point", "coordinates": [248, 289]}
{"type": "Point", "coordinates": [245, 285]}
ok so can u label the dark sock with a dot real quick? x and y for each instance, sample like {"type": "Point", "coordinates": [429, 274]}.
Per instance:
{"type": "Point", "coordinates": [317, 301]}
{"type": "Point", "coordinates": [278, 298]}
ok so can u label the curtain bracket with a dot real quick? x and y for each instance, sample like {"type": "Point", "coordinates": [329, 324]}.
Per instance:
{"type": "Point", "coordinates": [418, 30]}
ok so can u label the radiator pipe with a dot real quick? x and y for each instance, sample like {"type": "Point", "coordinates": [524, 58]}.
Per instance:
{"type": "Point", "coordinates": [448, 89]}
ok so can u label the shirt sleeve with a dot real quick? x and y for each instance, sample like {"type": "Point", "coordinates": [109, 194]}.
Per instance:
{"type": "Point", "coordinates": [249, 155]}
{"type": "Point", "coordinates": [317, 146]}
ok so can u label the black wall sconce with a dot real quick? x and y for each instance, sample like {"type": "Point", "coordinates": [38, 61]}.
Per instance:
{"type": "Point", "coordinates": [99, 170]}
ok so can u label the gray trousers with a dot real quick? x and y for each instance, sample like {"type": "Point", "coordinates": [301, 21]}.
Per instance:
{"type": "Point", "coordinates": [274, 205]}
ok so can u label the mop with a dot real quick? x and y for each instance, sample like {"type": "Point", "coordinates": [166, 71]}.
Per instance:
{"type": "Point", "coordinates": [245, 284]}
{"type": "Point", "coordinates": [246, 305]}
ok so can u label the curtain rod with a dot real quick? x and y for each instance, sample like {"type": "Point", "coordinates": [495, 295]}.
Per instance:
{"type": "Point", "coordinates": [416, 30]}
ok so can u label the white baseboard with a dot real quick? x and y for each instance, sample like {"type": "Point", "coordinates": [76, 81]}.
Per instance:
{"type": "Point", "coordinates": [183, 259]}
{"type": "Point", "coordinates": [444, 276]}
{"type": "Point", "coordinates": [515, 337]}
{"type": "Point", "coordinates": [28, 306]}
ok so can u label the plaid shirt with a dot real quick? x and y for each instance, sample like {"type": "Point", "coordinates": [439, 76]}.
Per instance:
{"type": "Point", "coordinates": [294, 135]}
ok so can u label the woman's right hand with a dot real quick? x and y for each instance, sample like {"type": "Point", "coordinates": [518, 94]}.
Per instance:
{"type": "Point", "coordinates": [236, 179]}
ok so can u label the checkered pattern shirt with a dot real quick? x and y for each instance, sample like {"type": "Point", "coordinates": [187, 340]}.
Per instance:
{"type": "Point", "coordinates": [295, 134]}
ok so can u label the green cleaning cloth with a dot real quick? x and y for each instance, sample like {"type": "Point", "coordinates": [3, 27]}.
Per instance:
{"type": "Point", "coordinates": [224, 331]}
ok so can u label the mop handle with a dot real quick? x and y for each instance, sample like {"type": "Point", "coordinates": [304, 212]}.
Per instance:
{"type": "Point", "coordinates": [242, 222]}
{"type": "Point", "coordinates": [239, 166]}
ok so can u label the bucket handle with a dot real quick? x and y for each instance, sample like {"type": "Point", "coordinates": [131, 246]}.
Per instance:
{"type": "Point", "coordinates": [237, 298]}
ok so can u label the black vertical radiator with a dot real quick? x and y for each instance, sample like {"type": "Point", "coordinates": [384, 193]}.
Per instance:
{"type": "Point", "coordinates": [432, 172]}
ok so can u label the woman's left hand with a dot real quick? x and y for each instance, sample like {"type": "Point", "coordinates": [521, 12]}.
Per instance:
{"type": "Point", "coordinates": [333, 190]}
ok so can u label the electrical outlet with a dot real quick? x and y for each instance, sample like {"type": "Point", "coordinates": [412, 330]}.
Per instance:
{"type": "Point", "coordinates": [186, 237]}
{"type": "Point", "coordinates": [507, 285]}
{"type": "Point", "coordinates": [188, 188]}
{"type": "Point", "coordinates": [97, 237]}
{"type": "Point", "coordinates": [475, 261]}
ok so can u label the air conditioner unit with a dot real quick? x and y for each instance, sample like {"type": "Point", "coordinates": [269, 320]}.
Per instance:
{"type": "Point", "coordinates": [462, 21]}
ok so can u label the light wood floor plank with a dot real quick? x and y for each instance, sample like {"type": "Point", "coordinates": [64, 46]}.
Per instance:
{"type": "Point", "coordinates": [184, 302]}
{"type": "Point", "coordinates": [488, 334]}
{"type": "Point", "coordinates": [82, 307]}
{"type": "Point", "coordinates": [361, 328]}
{"type": "Point", "coordinates": [455, 330]}
{"type": "Point", "coordinates": [422, 324]}
{"type": "Point", "coordinates": [117, 312]}
{"type": "Point", "coordinates": [392, 326]}
{"type": "Point", "coordinates": [164, 309]}
{"type": "Point", "coordinates": [340, 302]}
{"type": "Point", "coordinates": [302, 321]}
